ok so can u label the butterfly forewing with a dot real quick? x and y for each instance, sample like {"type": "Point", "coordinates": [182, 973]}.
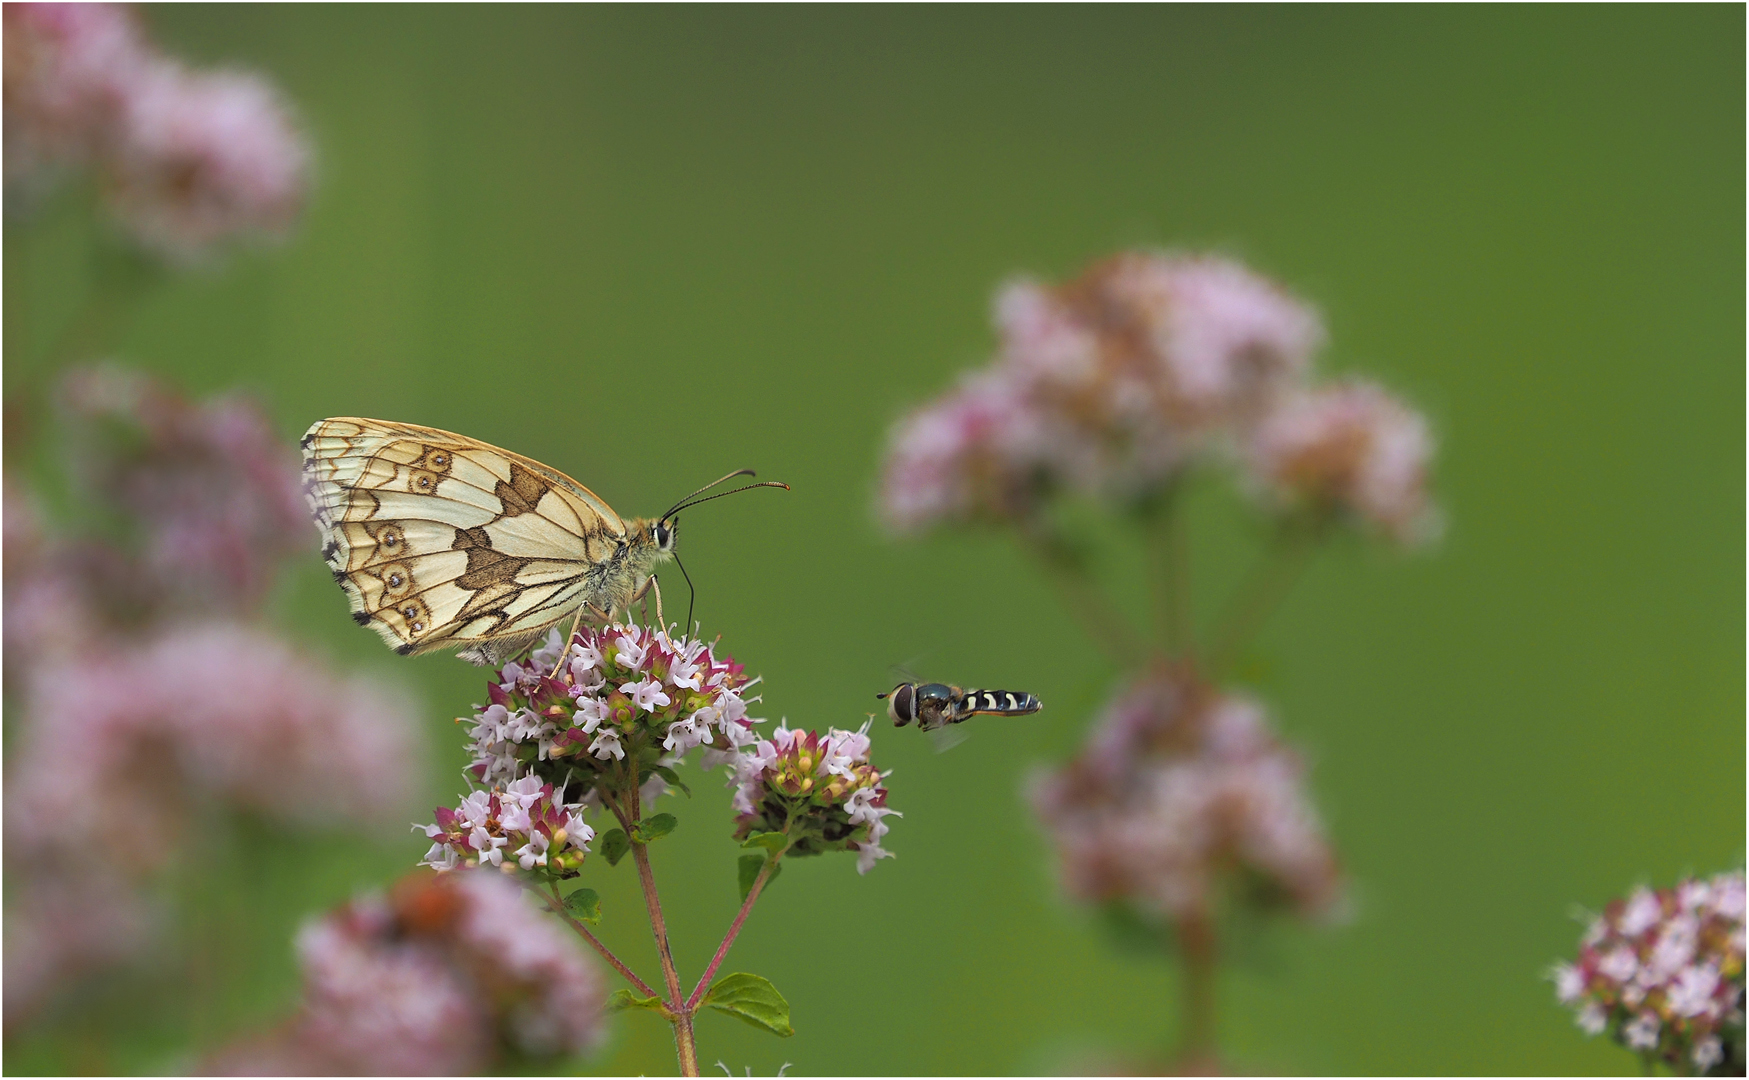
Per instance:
{"type": "Point", "coordinates": [440, 540]}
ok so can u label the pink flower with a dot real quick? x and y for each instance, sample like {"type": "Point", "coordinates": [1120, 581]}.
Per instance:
{"type": "Point", "coordinates": [1175, 791]}
{"type": "Point", "coordinates": [206, 158]}
{"type": "Point", "coordinates": [979, 453]}
{"type": "Point", "coordinates": [1108, 385]}
{"type": "Point", "coordinates": [1352, 447]}
{"type": "Point", "coordinates": [215, 494]}
{"type": "Point", "coordinates": [73, 920]}
{"type": "Point", "coordinates": [68, 71]}
{"type": "Point", "coordinates": [821, 790]}
{"type": "Point", "coordinates": [435, 980]}
{"type": "Point", "coordinates": [646, 694]}
{"type": "Point", "coordinates": [1204, 337]}
{"type": "Point", "coordinates": [1664, 970]}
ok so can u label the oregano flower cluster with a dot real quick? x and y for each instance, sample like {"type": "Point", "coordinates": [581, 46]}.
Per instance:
{"type": "Point", "coordinates": [818, 790]}
{"type": "Point", "coordinates": [1662, 972]}
{"type": "Point", "coordinates": [596, 724]}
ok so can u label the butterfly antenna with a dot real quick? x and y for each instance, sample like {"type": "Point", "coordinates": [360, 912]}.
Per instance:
{"type": "Point", "coordinates": [691, 501]}
{"type": "Point", "coordinates": [738, 472]}
{"type": "Point", "coordinates": [691, 595]}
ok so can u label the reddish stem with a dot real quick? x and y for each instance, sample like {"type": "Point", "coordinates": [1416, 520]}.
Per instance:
{"type": "Point", "coordinates": [558, 907]}
{"type": "Point", "coordinates": [734, 930]}
{"type": "Point", "coordinates": [682, 1019]}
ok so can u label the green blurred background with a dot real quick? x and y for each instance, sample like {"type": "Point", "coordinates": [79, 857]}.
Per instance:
{"type": "Point", "coordinates": [646, 245]}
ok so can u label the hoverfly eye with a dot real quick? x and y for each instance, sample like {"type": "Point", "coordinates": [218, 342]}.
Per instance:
{"type": "Point", "coordinates": [903, 704]}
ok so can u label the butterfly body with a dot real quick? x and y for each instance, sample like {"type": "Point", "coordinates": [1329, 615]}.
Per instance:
{"type": "Point", "coordinates": [445, 542]}
{"type": "Point", "coordinates": [935, 705]}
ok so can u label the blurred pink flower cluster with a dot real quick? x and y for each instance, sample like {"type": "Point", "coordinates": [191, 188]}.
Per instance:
{"type": "Point", "coordinates": [146, 695]}
{"type": "Point", "coordinates": [1663, 973]}
{"type": "Point", "coordinates": [438, 979]}
{"type": "Point", "coordinates": [187, 160]}
{"type": "Point", "coordinates": [1113, 384]}
{"type": "Point", "coordinates": [202, 488]}
{"type": "Point", "coordinates": [1181, 796]}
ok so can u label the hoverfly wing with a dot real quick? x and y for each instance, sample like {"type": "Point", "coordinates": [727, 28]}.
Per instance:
{"type": "Point", "coordinates": [943, 739]}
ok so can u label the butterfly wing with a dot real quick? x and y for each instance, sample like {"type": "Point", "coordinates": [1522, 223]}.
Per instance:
{"type": "Point", "coordinates": [441, 541]}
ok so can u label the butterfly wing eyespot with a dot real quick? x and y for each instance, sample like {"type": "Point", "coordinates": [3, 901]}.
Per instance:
{"type": "Point", "coordinates": [441, 541]}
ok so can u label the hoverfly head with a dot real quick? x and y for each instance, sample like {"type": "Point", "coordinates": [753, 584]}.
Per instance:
{"type": "Point", "coordinates": [901, 703]}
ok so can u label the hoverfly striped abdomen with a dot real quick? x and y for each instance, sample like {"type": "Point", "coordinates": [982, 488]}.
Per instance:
{"type": "Point", "coordinates": [934, 705]}
{"type": "Point", "coordinates": [1000, 702]}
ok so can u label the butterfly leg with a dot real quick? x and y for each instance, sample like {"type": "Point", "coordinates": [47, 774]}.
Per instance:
{"type": "Point", "coordinates": [643, 593]}
{"type": "Point", "coordinates": [566, 651]}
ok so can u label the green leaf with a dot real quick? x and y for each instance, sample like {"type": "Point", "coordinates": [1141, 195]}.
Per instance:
{"type": "Point", "coordinates": [750, 867]}
{"type": "Point", "coordinates": [773, 842]}
{"type": "Point", "coordinates": [585, 904]}
{"type": "Point", "coordinates": [673, 779]}
{"type": "Point", "coordinates": [753, 999]}
{"type": "Point", "coordinates": [654, 828]}
{"type": "Point", "coordinates": [614, 845]}
{"type": "Point", "coordinates": [620, 1000]}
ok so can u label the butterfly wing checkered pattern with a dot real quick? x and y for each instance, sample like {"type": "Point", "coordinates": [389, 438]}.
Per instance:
{"type": "Point", "coordinates": [441, 541]}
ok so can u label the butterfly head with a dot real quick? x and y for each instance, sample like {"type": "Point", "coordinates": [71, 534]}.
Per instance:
{"type": "Point", "coordinates": [663, 534]}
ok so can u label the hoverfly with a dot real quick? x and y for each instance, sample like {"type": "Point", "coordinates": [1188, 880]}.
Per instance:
{"type": "Point", "coordinates": [935, 705]}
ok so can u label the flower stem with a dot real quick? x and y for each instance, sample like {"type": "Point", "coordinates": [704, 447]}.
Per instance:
{"type": "Point", "coordinates": [1104, 623]}
{"type": "Point", "coordinates": [557, 905]}
{"type": "Point", "coordinates": [683, 1040]}
{"type": "Point", "coordinates": [1169, 572]}
{"type": "Point", "coordinates": [1197, 1046]}
{"type": "Point", "coordinates": [734, 930]}
{"type": "Point", "coordinates": [1268, 583]}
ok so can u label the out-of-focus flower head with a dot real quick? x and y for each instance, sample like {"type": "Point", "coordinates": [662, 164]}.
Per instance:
{"type": "Point", "coordinates": [68, 71]}
{"type": "Point", "coordinates": [436, 979]}
{"type": "Point", "coordinates": [1348, 447]}
{"type": "Point", "coordinates": [137, 744]}
{"type": "Point", "coordinates": [819, 790]}
{"type": "Point", "coordinates": [1662, 972]}
{"type": "Point", "coordinates": [212, 498]}
{"type": "Point", "coordinates": [1108, 385]}
{"type": "Point", "coordinates": [63, 926]}
{"type": "Point", "coordinates": [189, 161]}
{"type": "Point", "coordinates": [206, 158]}
{"type": "Point", "coordinates": [1185, 341]}
{"type": "Point", "coordinates": [204, 712]}
{"type": "Point", "coordinates": [1180, 796]}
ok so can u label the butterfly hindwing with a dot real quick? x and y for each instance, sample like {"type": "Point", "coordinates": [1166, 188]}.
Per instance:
{"type": "Point", "coordinates": [443, 541]}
